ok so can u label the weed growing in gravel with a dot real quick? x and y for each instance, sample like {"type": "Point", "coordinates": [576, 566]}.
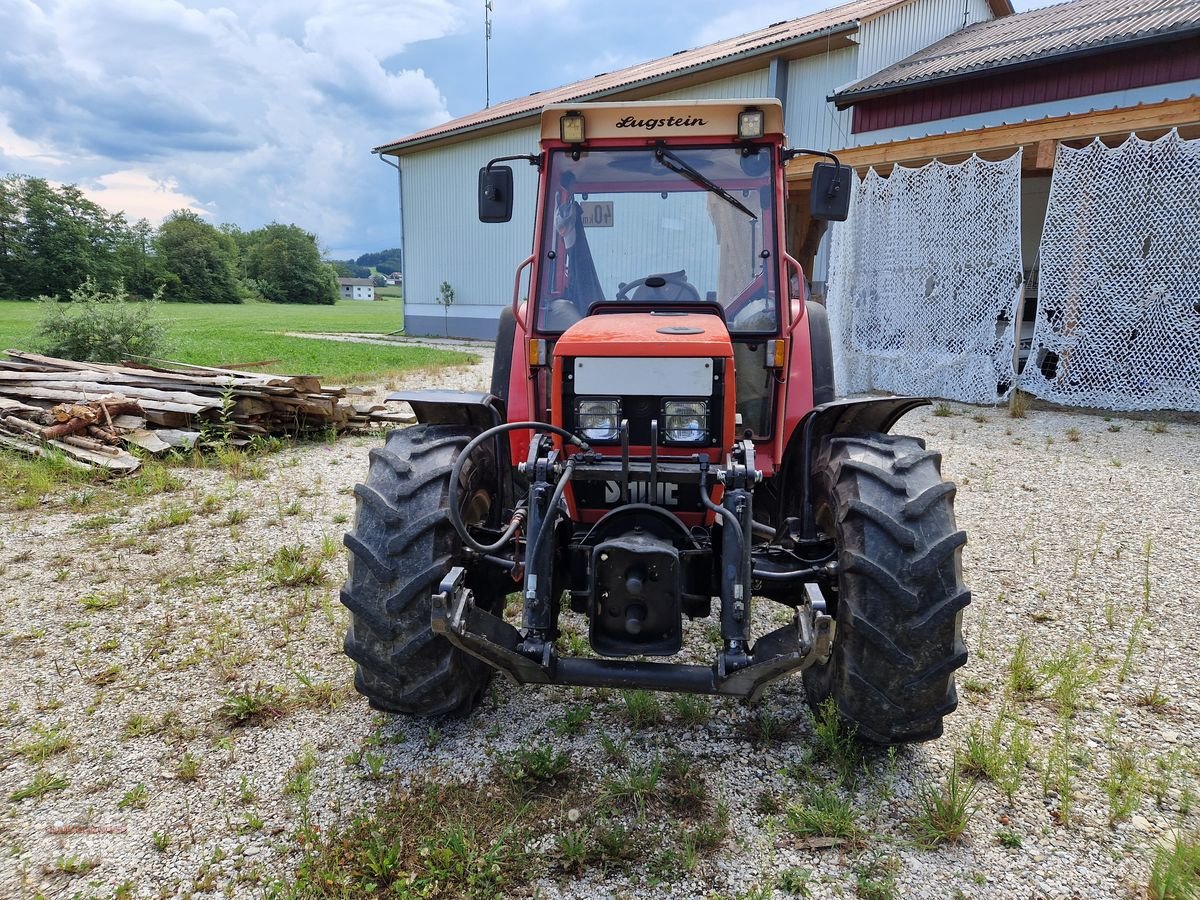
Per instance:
{"type": "Point", "coordinates": [836, 743]}
{"type": "Point", "coordinates": [429, 841]}
{"type": "Point", "coordinates": [535, 766]}
{"type": "Point", "coordinates": [571, 722]}
{"type": "Point", "coordinates": [161, 840]}
{"type": "Point", "coordinates": [614, 751]}
{"type": "Point", "coordinates": [1009, 839]}
{"type": "Point", "coordinates": [642, 708]}
{"type": "Point", "coordinates": [1023, 678]}
{"type": "Point", "coordinates": [794, 882]}
{"type": "Point", "coordinates": [171, 517]}
{"type": "Point", "coordinates": [998, 753]}
{"type": "Point", "coordinates": [1058, 775]}
{"type": "Point", "coordinates": [74, 865]}
{"type": "Point", "coordinates": [686, 791]}
{"type": "Point", "coordinates": [291, 567]}
{"type": "Point", "coordinates": [1154, 699]}
{"type": "Point", "coordinates": [235, 516]}
{"type": "Point", "coordinates": [943, 410]}
{"type": "Point", "coordinates": [188, 768]}
{"type": "Point", "coordinates": [875, 876]}
{"type": "Point", "coordinates": [47, 741]}
{"type": "Point", "coordinates": [946, 811]}
{"type": "Point", "coordinates": [1123, 785]}
{"type": "Point", "coordinates": [691, 709]}
{"type": "Point", "coordinates": [1175, 872]}
{"type": "Point", "coordinates": [824, 813]}
{"type": "Point", "coordinates": [764, 728]}
{"type": "Point", "coordinates": [255, 704]}
{"type": "Point", "coordinates": [1132, 645]}
{"type": "Point", "coordinates": [1073, 434]}
{"type": "Point", "coordinates": [137, 797]}
{"type": "Point", "coordinates": [104, 601]}
{"type": "Point", "coordinates": [42, 783]}
{"type": "Point", "coordinates": [635, 787]}
{"type": "Point", "coordinates": [1072, 673]}
{"type": "Point", "coordinates": [1147, 550]}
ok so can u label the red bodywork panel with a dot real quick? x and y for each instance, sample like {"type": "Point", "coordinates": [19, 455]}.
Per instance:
{"type": "Point", "coordinates": [636, 335]}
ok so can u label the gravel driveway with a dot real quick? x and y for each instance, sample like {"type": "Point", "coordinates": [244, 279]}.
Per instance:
{"type": "Point", "coordinates": [176, 704]}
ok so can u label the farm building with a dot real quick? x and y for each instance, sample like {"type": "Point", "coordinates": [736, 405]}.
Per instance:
{"type": "Point", "coordinates": [1064, 230]}
{"type": "Point", "coordinates": [801, 62]}
{"type": "Point", "coordinates": [962, 120]}
{"type": "Point", "coordinates": [356, 288]}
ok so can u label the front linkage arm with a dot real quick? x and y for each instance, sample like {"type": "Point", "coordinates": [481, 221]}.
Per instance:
{"type": "Point", "coordinates": [527, 655]}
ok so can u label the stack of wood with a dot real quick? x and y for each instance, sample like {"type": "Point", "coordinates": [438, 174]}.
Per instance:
{"type": "Point", "coordinates": [92, 411]}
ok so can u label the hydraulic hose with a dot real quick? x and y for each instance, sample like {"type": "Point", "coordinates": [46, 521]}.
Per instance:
{"type": "Point", "coordinates": [551, 511]}
{"type": "Point", "coordinates": [721, 511]}
{"type": "Point", "coordinates": [456, 473]}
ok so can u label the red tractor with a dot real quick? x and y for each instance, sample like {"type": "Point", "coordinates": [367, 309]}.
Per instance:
{"type": "Point", "coordinates": [661, 442]}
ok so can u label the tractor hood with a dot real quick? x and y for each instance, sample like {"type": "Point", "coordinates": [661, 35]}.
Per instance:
{"type": "Point", "coordinates": [661, 333]}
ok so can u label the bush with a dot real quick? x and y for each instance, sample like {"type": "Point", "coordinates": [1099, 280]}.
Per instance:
{"type": "Point", "coordinates": [101, 326]}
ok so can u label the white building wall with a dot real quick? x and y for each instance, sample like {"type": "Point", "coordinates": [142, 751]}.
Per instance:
{"type": "Point", "coordinates": [748, 84]}
{"type": "Point", "coordinates": [903, 31]}
{"type": "Point", "coordinates": [445, 241]}
{"type": "Point", "coordinates": [810, 120]}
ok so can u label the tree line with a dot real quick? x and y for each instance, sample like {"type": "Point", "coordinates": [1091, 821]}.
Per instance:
{"type": "Point", "coordinates": [386, 261]}
{"type": "Point", "coordinates": [53, 239]}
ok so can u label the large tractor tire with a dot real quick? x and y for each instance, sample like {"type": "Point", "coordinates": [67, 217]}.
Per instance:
{"type": "Point", "coordinates": [900, 593]}
{"type": "Point", "coordinates": [401, 547]}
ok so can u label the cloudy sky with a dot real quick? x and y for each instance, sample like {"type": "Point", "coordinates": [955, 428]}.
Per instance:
{"type": "Point", "coordinates": [251, 111]}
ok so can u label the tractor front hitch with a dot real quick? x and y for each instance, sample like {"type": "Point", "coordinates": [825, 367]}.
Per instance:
{"type": "Point", "coordinates": [806, 640]}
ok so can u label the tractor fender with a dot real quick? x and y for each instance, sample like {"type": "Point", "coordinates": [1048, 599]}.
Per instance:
{"type": "Point", "coordinates": [476, 410]}
{"type": "Point", "coordinates": [848, 416]}
{"type": "Point", "coordinates": [480, 411]}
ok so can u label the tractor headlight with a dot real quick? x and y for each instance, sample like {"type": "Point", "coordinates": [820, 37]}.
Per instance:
{"type": "Point", "coordinates": [685, 421]}
{"type": "Point", "coordinates": [599, 420]}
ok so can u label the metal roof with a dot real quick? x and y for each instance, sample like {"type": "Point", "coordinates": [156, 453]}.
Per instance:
{"type": "Point", "coordinates": [770, 39]}
{"type": "Point", "coordinates": [1039, 35]}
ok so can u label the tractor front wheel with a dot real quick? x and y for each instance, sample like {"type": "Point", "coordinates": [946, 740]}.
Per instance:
{"type": "Point", "coordinates": [900, 594]}
{"type": "Point", "coordinates": [401, 547]}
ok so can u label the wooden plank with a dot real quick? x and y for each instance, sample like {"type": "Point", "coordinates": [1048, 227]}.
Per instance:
{"type": "Point", "coordinates": [1043, 158]}
{"type": "Point", "coordinates": [83, 388]}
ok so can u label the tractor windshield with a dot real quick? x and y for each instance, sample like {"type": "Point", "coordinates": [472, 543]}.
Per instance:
{"type": "Point", "coordinates": [660, 225]}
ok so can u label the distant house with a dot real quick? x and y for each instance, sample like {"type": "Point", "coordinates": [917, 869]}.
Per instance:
{"type": "Point", "coordinates": [356, 288]}
{"type": "Point", "coordinates": [396, 278]}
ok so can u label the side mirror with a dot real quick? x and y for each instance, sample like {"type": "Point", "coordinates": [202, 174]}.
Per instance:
{"type": "Point", "coordinates": [831, 192]}
{"type": "Point", "coordinates": [495, 194]}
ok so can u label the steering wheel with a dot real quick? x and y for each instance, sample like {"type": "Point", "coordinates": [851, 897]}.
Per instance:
{"type": "Point", "coordinates": [663, 286]}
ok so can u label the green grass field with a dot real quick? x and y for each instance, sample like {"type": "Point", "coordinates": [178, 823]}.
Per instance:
{"type": "Point", "coordinates": [240, 335]}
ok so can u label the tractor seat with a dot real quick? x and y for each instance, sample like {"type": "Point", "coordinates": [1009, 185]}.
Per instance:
{"type": "Point", "coordinates": [666, 286]}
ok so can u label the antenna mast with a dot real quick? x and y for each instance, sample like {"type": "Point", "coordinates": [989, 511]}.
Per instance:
{"type": "Point", "coordinates": [487, 58]}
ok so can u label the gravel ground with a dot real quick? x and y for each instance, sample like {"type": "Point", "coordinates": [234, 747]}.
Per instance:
{"type": "Point", "coordinates": [129, 636]}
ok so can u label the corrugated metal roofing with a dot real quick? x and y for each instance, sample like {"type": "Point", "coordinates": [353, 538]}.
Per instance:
{"type": "Point", "coordinates": [1040, 34]}
{"type": "Point", "coordinates": [680, 63]}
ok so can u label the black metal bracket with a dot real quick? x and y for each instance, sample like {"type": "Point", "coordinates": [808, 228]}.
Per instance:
{"type": "Point", "coordinates": [807, 640]}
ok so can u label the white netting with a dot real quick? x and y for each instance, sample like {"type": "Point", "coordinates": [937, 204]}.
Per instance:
{"type": "Point", "coordinates": [1118, 318]}
{"type": "Point", "coordinates": [925, 276]}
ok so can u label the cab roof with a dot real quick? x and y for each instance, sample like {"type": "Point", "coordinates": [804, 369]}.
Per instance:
{"type": "Point", "coordinates": [663, 118]}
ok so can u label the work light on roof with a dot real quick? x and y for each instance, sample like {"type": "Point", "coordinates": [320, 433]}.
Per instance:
{"type": "Point", "coordinates": [570, 128]}
{"type": "Point", "coordinates": [750, 124]}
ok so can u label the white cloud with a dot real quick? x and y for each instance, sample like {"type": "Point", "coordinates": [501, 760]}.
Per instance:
{"type": "Point", "coordinates": [251, 111]}
{"type": "Point", "coordinates": [139, 195]}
